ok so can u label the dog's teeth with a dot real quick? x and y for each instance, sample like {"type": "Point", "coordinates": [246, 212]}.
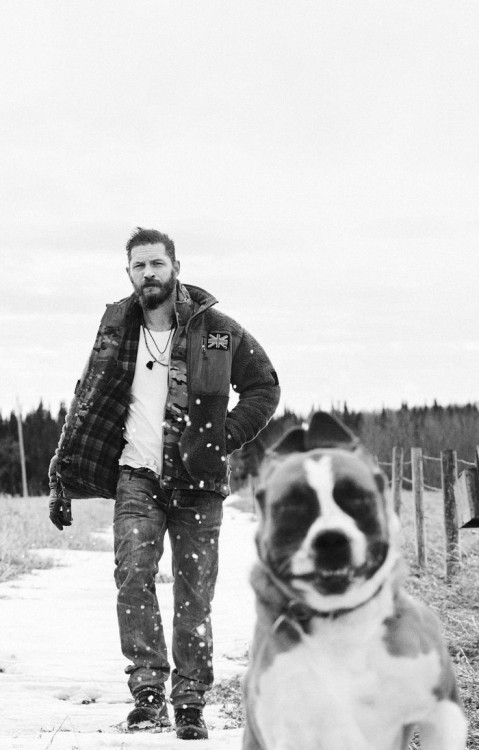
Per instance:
{"type": "Point", "coordinates": [332, 573]}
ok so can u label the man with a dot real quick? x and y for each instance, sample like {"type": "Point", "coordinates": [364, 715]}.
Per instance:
{"type": "Point", "coordinates": [149, 426]}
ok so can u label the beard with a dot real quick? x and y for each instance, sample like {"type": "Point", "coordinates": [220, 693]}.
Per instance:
{"type": "Point", "coordinates": [152, 294]}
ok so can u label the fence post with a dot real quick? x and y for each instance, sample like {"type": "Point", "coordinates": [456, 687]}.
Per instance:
{"type": "Point", "coordinates": [418, 494]}
{"type": "Point", "coordinates": [22, 450]}
{"type": "Point", "coordinates": [397, 461]}
{"type": "Point", "coordinates": [449, 476]}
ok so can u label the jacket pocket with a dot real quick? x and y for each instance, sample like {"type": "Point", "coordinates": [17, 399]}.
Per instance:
{"type": "Point", "coordinates": [210, 359]}
{"type": "Point", "coordinates": [203, 442]}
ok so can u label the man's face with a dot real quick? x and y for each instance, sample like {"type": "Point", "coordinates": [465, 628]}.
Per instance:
{"type": "Point", "coordinates": [152, 274]}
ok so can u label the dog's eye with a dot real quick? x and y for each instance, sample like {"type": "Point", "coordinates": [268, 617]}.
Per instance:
{"type": "Point", "coordinates": [352, 498]}
{"type": "Point", "coordinates": [362, 504]}
{"type": "Point", "coordinates": [355, 502]}
{"type": "Point", "coordinates": [346, 490]}
{"type": "Point", "coordinates": [298, 508]}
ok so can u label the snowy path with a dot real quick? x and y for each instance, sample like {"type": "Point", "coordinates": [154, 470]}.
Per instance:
{"type": "Point", "coordinates": [59, 635]}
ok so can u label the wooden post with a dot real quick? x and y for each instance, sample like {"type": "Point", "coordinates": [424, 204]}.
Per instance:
{"type": "Point", "coordinates": [449, 477]}
{"type": "Point", "coordinates": [398, 459]}
{"type": "Point", "coordinates": [418, 494]}
{"type": "Point", "coordinates": [22, 450]}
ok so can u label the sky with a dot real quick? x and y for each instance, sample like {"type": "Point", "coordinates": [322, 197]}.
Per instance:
{"type": "Point", "coordinates": [316, 163]}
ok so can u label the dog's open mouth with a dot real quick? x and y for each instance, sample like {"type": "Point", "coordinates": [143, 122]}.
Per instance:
{"type": "Point", "coordinates": [330, 580]}
{"type": "Point", "coordinates": [337, 580]}
{"type": "Point", "coordinates": [334, 581]}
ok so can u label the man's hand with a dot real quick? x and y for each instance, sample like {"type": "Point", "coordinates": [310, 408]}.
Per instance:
{"type": "Point", "coordinates": [60, 507]}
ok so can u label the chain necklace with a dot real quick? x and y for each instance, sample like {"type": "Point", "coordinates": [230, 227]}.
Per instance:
{"type": "Point", "coordinates": [161, 358]}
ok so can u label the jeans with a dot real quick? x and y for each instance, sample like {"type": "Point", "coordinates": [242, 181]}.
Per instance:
{"type": "Point", "coordinates": [143, 512]}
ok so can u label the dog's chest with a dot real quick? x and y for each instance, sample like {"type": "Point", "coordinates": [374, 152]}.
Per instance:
{"type": "Point", "coordinates": [344, 687]}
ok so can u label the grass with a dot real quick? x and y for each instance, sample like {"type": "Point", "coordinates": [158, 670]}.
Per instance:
{"type": "Point", "coordinates": [456, 603]}
{"type": "Point", "coordinates": [25, 527]}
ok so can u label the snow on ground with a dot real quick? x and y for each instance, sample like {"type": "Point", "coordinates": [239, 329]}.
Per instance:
{"type": "Point", "coordinates": [59, 639]}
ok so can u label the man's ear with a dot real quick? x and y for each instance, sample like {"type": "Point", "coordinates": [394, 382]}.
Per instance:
{"type": "Point", "coordinates": [176, 267]}
{"type": "Point", "coordinates": [127, 269]}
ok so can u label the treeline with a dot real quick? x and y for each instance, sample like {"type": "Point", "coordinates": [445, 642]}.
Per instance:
{"type": "Point", "coordinates": [432, 428]}
{"type": "Point", "coordinates": [41, 431]}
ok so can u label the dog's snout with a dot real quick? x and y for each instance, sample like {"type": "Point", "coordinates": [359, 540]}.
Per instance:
{"type": "Point", "coordinates": [332, 549]}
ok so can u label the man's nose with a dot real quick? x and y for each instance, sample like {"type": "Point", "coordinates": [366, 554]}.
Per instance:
{"type": "Point", "coordinates": [148, 273]}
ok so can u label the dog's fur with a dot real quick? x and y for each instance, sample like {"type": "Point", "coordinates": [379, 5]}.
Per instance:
{"type": "Point", "coordinates": [342, 658]}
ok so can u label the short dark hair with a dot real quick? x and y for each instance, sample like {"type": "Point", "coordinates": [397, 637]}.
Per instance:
{"type": "Point", "coordinates": [150, 237]}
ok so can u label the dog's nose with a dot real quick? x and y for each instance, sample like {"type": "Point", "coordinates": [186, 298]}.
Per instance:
{"type": "Point", "coordinates": [332, 549]}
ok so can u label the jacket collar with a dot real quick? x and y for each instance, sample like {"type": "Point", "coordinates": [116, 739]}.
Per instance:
{"type": "Point", "coordinates": [191, 300]}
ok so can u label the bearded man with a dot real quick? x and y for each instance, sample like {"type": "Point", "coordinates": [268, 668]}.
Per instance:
{"type": "Point", "coordinates": [149, 426]}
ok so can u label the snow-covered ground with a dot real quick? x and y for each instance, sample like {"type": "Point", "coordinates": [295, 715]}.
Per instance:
{"type": "Point", "coordinates": [60, 646]}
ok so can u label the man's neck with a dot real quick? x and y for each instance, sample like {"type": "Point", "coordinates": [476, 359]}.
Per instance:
{"type": "Point", "coordinates": [162, 318]}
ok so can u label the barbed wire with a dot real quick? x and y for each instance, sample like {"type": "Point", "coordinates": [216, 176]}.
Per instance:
{"type": "Point", "coordinates": [427, 458]}
{"type": "Point", "coordinates": [425, 486]}
{"type": "Point", "coordinates": [389, 463]}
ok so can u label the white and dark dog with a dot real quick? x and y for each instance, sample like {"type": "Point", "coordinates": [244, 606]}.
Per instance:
{"type": "Point", "coordinates": [342, 658]}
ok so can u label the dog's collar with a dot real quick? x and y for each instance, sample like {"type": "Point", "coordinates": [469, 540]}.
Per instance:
{"type": "Point", "coordinates": [296, 612]}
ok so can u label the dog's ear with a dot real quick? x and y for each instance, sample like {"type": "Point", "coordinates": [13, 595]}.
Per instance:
{"type": "Point", "coordinates": [326, 431]}
{"type": "Point", "coordinates": [291, 442]}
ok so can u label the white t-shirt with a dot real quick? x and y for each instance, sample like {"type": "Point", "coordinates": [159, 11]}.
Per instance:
{"type": "Point", "coordinates": [149, 391]}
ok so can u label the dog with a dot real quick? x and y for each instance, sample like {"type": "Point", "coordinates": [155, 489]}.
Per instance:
{"type": "Point", "coordinates": [341, 658]}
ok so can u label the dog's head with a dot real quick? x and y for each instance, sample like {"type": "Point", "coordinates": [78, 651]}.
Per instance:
{"type": "Point", "coordinates": [326, 527]}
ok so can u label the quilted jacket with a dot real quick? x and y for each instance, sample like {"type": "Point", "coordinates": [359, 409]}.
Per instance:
{"type": "Point", "coordinates": [209, 352]}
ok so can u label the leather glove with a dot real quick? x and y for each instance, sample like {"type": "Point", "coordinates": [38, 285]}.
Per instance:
{"type": "Point", "coordinates": [60, 507]}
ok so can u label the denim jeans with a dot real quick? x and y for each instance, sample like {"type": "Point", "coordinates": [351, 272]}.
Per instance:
{"type": "Point", "coordinates": [143, 513]}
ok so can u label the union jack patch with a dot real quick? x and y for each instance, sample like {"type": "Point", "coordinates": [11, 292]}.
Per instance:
{"type": "Point", "coordinates": [218, 340]}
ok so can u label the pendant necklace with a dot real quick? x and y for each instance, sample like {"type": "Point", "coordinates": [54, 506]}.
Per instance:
{"type": "Point", "coordinates": [161, 358]}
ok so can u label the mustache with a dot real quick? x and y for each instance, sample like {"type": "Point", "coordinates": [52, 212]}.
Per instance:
{"type": "Point", "coordinates": [155, 284]}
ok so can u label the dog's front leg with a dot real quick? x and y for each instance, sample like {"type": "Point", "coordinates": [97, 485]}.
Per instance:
{"type": "Point", "coordinates": [446, 729]}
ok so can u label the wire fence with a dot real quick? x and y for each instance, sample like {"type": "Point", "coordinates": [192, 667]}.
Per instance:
{"type": "Point", "coordinates": [460, 492]}
{"type": "Point", "coordinates": [408, 480]}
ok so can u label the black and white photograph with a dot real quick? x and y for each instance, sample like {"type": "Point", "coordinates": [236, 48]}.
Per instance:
{"type": "Point", "coordinates": [239, 374]}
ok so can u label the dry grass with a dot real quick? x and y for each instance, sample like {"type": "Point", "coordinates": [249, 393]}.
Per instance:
{"type": "Point", "coordinates": [456, 603]}
{"type": "Point", "coordinates": [25, 526]}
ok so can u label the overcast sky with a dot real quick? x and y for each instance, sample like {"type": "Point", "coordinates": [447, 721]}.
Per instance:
{"type": "Point", "coordinates": [316, 163]}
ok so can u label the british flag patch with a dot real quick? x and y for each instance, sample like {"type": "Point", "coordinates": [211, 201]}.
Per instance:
{"type": "Point", "coordinates": [218, 340]}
